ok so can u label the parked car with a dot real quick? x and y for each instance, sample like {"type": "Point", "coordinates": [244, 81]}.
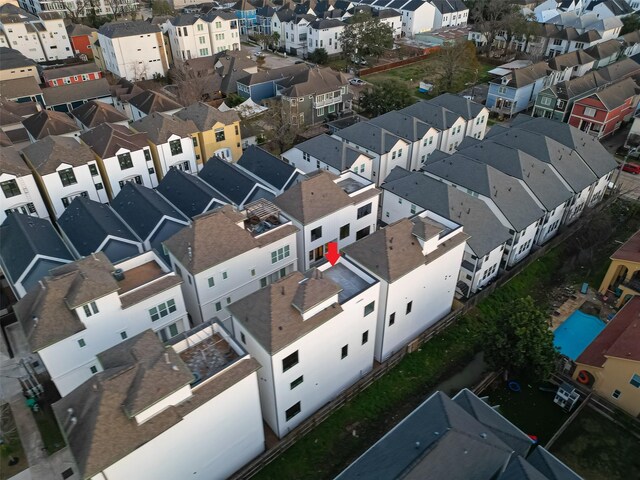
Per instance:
{"type": "Point", "coordinates": [633, 168]}
{"type": "Point", "coordinates": [357, 82]}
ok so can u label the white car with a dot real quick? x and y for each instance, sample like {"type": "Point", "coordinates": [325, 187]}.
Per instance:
{"type": "Point", "coordinates": [357, 82]}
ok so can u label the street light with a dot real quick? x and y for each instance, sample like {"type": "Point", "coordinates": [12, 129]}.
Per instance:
{"type": "Point", "coordinates": [624, 162]}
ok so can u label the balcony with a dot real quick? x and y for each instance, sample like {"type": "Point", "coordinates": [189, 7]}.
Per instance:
{"type": "Point", "coordinates": [330, 101]}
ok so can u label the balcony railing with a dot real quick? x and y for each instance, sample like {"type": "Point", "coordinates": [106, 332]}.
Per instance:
{"type": "Point", "coordinates": [330, 101]}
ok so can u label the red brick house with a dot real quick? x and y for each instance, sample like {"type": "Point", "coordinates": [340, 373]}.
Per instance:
{"type": "Point", "coordinates": [56, 77]}
{"type": "Point", "coordinates": [603, 112]}
{"type": "Point", "coordinates": [80, 36]}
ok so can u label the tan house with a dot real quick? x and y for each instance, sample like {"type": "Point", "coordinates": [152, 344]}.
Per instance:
{"type": "Point", "coordinates": [610, 365]}
{"type": "Point", "coordinates": [15, 65]}
{"type": "Point", "coordinates": [218, 132]}
{"type": "Point", "coordinates": [623, 277]}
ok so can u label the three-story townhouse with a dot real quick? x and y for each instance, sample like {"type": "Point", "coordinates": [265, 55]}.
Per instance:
{"type": "Point", "coordinates": [20, 192]}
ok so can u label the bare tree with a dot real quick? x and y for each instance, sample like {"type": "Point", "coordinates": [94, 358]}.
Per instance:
{"type": "Point", "coordinates": [452, 63]}
{"type": "Point", "coordinates": [8, 432]}
{"type": "Point", "coordinates": [121, 8]}
{"type": "Point", "coordinates": [276, 127]}
{"type": "Point", "coordinates": [190, 85]}
{"type": "Point", "coordinates": [495, 18]}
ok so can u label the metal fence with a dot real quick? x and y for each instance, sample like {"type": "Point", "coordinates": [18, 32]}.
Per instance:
{"type": "Point", "coordinates": [399, 63]}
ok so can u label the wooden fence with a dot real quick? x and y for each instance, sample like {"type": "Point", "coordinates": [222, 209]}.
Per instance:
{"type": "Point", "coordinates": [399, 63]}
{"type": "Point", "coordinates": [382, 368]}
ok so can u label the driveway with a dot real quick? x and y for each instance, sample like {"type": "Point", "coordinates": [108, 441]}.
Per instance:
{"type": "Point", "coordinates": [273, 60]}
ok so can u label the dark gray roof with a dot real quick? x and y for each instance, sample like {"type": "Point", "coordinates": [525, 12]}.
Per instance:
{"type": "Point", "coordinates": [87, 224]}
{"type": "Point", "coordinates": [82, 91]}
{"type": "Point", "coordinates": [566, 161]}
{"type": "Point", "coordinates": [266, 167]}
{"type": "Point", "coordinates": [143, 208]}
{"type": "Point", "coordinates": [150, 101]}
{"type": "Point", "coordinates": [592, 152]}
{"type": "Point", "coordinates": [519, 469]}
{"type": "Point", "coordinates": [464, 107]}
{"type": "Point", "coordinates": [48, 122]}
{"type": "Point", "coordinates": [449, 6]}
{"type": "Point", "coordinates": [15, 88]}
{"type": "Point", "coordinates": [614, 96]}
{"type": "Point", "coordinates": [127, 29]}
{"type": "Point", "coordinates": [331, 151]}
{"type": "Point", "coordinates": [190, 194]}
{"type": "Point", "coordinates": [370, 136]}
{"type": "Point", "coordinates": [229, 180]}
{"type": "Point", "coordinates": [106, 139]}
{"type": "Point", "coordinates": [506, 192]}
{"type": "Point", "coordinates": [403, 125]}
{"type": "Point", "coordinates": [71, 70]}
{"type": "Point", "coordinates": [477, 219]}
{"type": "Point", "coordinates": [25, 237]}
{"type": "Point", "coordinates": [48, 154]}
{"type": "Point", "coordinates": [550, 466]}
{"type": "Point", "coordinates": [617, 7]}
{"type": "Point", "coordinates": [537, 175]}
{"type": "Point", "coordinates": [14, 59]}
{"type": "Point", "coordinates": [12, 163]}
{"type": "Point", "coordinates": [184, 19]}
{"type": "Point", "coordinates": [440, 117]}
{"type": "Point", "coordinates": [273, 75]}
{"type": "Point", "coordinates": [322, 23]}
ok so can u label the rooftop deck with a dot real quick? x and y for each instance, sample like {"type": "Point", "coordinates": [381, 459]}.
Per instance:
{"type": "Point", "coordinates": [209, 356]}
{"type": "Point", "coordinates": [351, 283]}
{"type": "Point", "coordinates": [351, 184]}
{"type": "Point", "coordinates": [141, 275]}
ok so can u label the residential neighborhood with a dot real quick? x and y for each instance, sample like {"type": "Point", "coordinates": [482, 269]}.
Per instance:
{"type": "Point", "coordinates": [373, 239]}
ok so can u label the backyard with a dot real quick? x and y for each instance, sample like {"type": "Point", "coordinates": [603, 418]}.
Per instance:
{"type": "Point", "coordinates": [11, 446]}
{"type": "Point", "coordinates": [332, 445]}
{"type": "Point", "coordinates": [597, 448]}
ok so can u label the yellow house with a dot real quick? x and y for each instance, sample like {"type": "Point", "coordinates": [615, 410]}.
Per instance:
{"type": "Point", "coordinates": [623, 277]}
{"type": "Point", "coordinates": [610, 365]}
{"type": "Point", "coordinates": [218, 132]}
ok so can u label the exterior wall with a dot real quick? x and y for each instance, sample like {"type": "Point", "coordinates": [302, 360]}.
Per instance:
{"type": "Point", "coordinates": [363, 166]}
{"type": "Point", "coordinates": [483, 270]}
{"type": "Point", "coordinates": [577, 204]}
{"type": "Point", "coordinates": [211, 442]}
{"type": "Point", "coordinates": [598, 189]}
{"type": "Point", "coordinates": [54, 40]}
{"type": "Point", "coordinates": [521, 245]}
{"type": "Point", "coordinates": [477, 127]}
{"type": "Point", "coordinates": [55, 191]}
{"type": "Point", "coordinates": [149, 58]}
{"type": "Point", "coordinates": [420, 150]}
{"type": "Point", "coordinates": [164, 160]}
{"type": "Point", "coordinates": [69, 364]}
{"type": "Point", "coordinates": [113, 173]}
{"type": "Point", "coordinates": [422, 19]}
{"type": "Point", "coordinates": [201, 299]}
{"type": "Point", "coordinates": [55, 82]}
{"type": "Point", "coordinates": [327, 38]}
{"type": "Point", "coordinates": [27, 43]}
{"type": "Point", "coordinates": [451, 138]}
{"type": "Point", "coordinates": [224, 34]}
{"type": "Point", "coordinates": [19, 72]}
{"type": "Point", "coordinates": [232, 143]}
{"type": "Point", "coordinates": [82, 45]}
{"type": "Point", "coordinates": [619, 271]}
{"type": "Point", "coordinates": [28, 201]}
{"type": "Point", "coordinates": [551, 224]}
{"type": "Point", "coordinates": [295, 37]}
{"type": "Point", "coordinates": [607, 121]}
{"type": "Point", "coordinates": [616, 374]}
{"type": "Point", "coordinates": [190, 41]}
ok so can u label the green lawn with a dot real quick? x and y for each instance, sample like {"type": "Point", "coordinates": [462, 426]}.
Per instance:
{"type": "Point", "coordinates": [48, 426]}
{"type": "Point", "coordinates": [598, 449]}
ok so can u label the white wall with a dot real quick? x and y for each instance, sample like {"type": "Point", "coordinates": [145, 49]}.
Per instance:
{"type": "Point", "coordinates": [27, 43]}
{"type": "Point", "coordinates": [29, 194]}
{"type": "Point", "coordinates": [477, 127]}
{"type": "Point", "coordinates": [140, 168]}
{"type": "Point", "coordinates": [211, 442]}
{"type": "Point", "coordinates": [167, 160]}
{"type": "Point", "coordinates": [135, 57]}
{"type": "Point", "coordinates": [56, 191]}
{"type": "Point", "coordinates": [55, 43]}
{"type": "Point", "coordinates": [550, 224]}
{"type": "Point", "coordinates": [327, 38]}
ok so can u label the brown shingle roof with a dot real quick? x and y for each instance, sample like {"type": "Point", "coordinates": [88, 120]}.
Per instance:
{"type": "Point", "coordinates": [135, 375]}
{"type": "Point", "coordinates": [215, 237]}
{"type": "Point", "coordinates": [108, 138]}
{"type": "Point", "coordinates": [206, 117]}
{"type": "Point", "coordinates": [619, 339]}
{"type": "Point", "coordinates": [160, 127]}
{"type": "Point", "coordinates": [11, 162]}
{"type": "Point", "coordinates": [47, 154]}
{"type": "Point", "coordinates": [271, 318]}
{"type": "Point", "coordinates": [313, 198]}
{"type": "Point", "coordinates": [5, 141]}
{"type": "Point", "coordinates": [49, 122]}
{"type": "Point", "coordinates": [630, 250]}
{"type": "Point", "coordinates": [617, 94]}
{"type": "Point", "coordinates": [94, 113]}
{"type": "Point", "coordinates": [19, 87]}
{"type": "Point", "coordinates": [149, 101]}
{"type": "Point", "coordinates": [313, 81]}
{"type": "Point", "coordinates": [76, 92]}
{"type": "Point", "coordinates": [314, 291]}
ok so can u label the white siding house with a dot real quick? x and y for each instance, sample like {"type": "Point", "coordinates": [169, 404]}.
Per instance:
{"type": "Point", "coordinates": [325, 33]}
{"type": "Point", "coordinates": [20, 193]}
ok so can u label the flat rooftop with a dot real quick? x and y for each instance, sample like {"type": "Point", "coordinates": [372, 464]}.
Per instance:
{"type": "Point", "coordinates": [139, 276]}
{"type": "Point", "coordinates": [208, 357]}
{"type": "Point", "coordinates": [351, 184]}
{"type": "Point", "coordinates": [351, 283]}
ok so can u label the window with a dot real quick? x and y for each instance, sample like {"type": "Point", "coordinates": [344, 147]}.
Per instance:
{"type": "Point", "coordinates": [409, 306]}
{"type": "Point", "coordinates": [228, 300]}
{"type": "Point", "coordinates": [296, 382]}
{"type": "Point", "coordinates": [344, 231]}
{"type": "Point", "coordinates": [200, 27]}
{"type": "Point", "coordinates": [362, 233]}
{"type": "Point", "coordinates": [290, 361]}
{"type": "Point", "coordinates": [176, 147]}
{"type": "Point", "coordinates": [292, 412]}
{"type": "Point", "coordinates": [162, 310]}
{"type": "Point", "coordinates": [67, 177]}
{"type": "Point", "coordinates": [616, 394]}
{"type": "Point", "coordinates": [218, 306]}
{"type": "Point", "coordinates": [413, 209]}
{"type": "Point", "coordinates": [211, 282]}
{"type": "Point", "coordinates": [219, 134]}
{"type": "Point", "coordinates": [369, 308]}
{"type": "Point", "coordinates": [365, 337]}
{"type": "Point", "coordinates": [263, 282]}
{"type": "Point", "coordinates": [392, 318]}
{"type": "Point", "coordinates": [364, 210]}
{"type": "Point", "coordinates": [316, 233]}
{"type": "Point", "coordinates": [502, 89]}
{"type": "Point", "coordinates": [344, 352]}
{"type": "Point", "coordinates": [545, 101]}
{"type": "Point", "coordinates": [123, 335]}
{"type": "Point", "coordinates": [124, 159]}
{"type": "Point", "coordinates": [590, 112]}
{"type": "Point", "coordinates": [204, 52]}
{"type": "Point", "coordinates": [82, 343]}
{"type": "Point", "coordinates": [90, 309]}
{"type": "Point", "coordinates": [93, 369]}
{"type": "Point", "coordinates": [635, 380]}
{"type": "Point", "coordinates": [225, 275]}
{"type": "Point", "coordinates": [243, 339]}
{"type": "Point", "coordinates": [93, 169]}
{"type": "Point", "coordinates": [253, 272]}
{"type": "Point", "coordinates": [279, 254]}
{"type": "Point", "coordinates": [10, 188]}
{"type": "Point", "coordinates": [147, 156]}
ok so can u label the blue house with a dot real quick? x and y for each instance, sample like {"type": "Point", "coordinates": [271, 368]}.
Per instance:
{"type": "Point", "coordinates": [261, 85]}
{"type": "Point", "coordinates": [263, 20]}
{"type": "Point", "coordinates": [190, 194]}
{"type": "Point", "coordinates": [517, 90]}
{"type": "Point", "coordinates": [151, 217]}
{"type": "Point", "coordinates": [29, 248]}
{"type": "Point", "coordinates": [247, 16]}
{"type": "Point", "coordinates": [234, 183]}
{"type": "Point", "coordinates": [90, 227]}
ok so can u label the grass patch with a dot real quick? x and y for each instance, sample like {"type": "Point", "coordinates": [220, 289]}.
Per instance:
{"type": "Point", "coordinates": [12, 447]}
{"type": "Point", "coordinates": [597, 448]}
{"type": "Point", "coordinates": [48, 426]}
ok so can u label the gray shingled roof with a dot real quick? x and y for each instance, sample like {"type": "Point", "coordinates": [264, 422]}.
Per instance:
{"type": "Point", "coordinates": [75, 92]}
{"type": "Point", "coordinates": [464, 107]}
{"type": "Point", "coordinates": [87, 224]}
{"type": "Point", "coordinates": [190, 194]}
{"type": "Point", "coordinates": [94, 113]}
{"type": "Point", "coordinates": [48, 154]}
{"type": "Point", "coordinates": [403, 125]}
{"type": "Point", "coordinates": [127, 29]}
{"type": "Point", "coordinates": [106, 139]}
{"type": "Point", "coordinates": [486, 231]}
{"type": "Point", "coordinates": [20, 87]}
{"type": "Point", "coordinates": [616, 95]}
{"type": "Point", "coordinates": [12, 163]}
{"type": "Point", "coordinates": [266, 167]}
{"type": "Point", "coordinates": [61, 72]}
{"type": "Point", "coordinates": [150, 101]}
{"type": "Point", "coordinates": [440, 117]}
{"type": "Point", "coordinates": [206, 117]}
{"type": "Point", "coordinates": [14, 59]}
{"type": "Point", "coordinates": [506, 192]}
{"type": "Point", "coordinates": [331, 151]}
{"type": "Point", "coordinates": [370, 136]}
{"type": "Point", "coordinates": [160, 127]}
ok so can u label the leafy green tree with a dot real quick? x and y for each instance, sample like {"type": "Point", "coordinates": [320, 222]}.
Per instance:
{"type": "Point", "coordinates": [630, 23]}
{"type": "Point", "coordinates": [319, 56]}
{"type": "Point", "coordinates": [385, 97]}
{"type": "Point", "coordinates": [365, 36]}
{"type": "Point", "coordinates": [452, 63]}
{"type": "Point", "coordinates": [519, 340]}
